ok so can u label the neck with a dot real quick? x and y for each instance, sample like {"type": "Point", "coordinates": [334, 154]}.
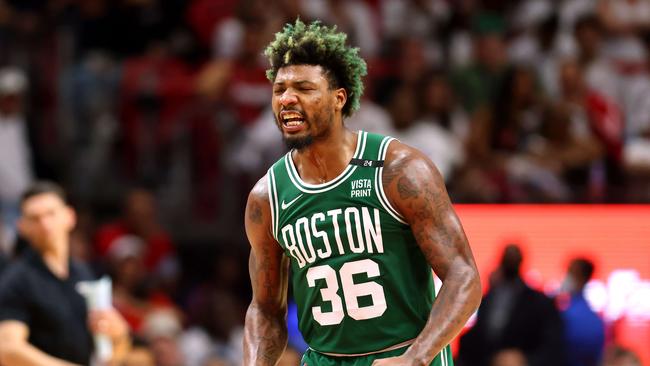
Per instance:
{"type": "Point", "coordinates": [326, 158]}
{"type": "Point", "coordinates": [56, 259]}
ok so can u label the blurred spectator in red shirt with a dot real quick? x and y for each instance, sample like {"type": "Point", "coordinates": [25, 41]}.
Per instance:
{"type": "Point", "coordinates": [155, 91]}
{"type": "Point", "coordinates": [134, 295]}
{"type": "Point", "coordinates": [139, 219]}
{"type": "Point", "coordinates": [594, 113]}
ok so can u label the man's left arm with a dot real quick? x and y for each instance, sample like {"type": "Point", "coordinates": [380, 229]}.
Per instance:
{"type": "Point", "coordinates": [416, 189]}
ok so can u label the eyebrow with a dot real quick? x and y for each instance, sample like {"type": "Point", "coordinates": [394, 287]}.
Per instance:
{"type": "Point", "coordinates": [295, 82]}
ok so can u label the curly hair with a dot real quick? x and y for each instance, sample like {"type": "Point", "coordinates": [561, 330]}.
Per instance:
{"type": "Point", "coordinates": [317, 44]}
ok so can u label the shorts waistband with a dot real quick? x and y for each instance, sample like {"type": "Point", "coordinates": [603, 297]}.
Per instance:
{"type": "Point", "coordinates": [390, 348]}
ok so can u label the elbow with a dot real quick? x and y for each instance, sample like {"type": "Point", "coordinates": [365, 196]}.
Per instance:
{"type": "Point", "coordinates": [477, 290]}
{"type": "Point", "coordinates": [472, 288]}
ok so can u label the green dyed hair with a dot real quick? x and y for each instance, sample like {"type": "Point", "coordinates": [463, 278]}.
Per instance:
{"type": "Point", "coordinates": [317, 44]}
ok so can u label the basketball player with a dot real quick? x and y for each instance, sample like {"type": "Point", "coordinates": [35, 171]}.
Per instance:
{"type": "Point", "coordinates": [359, 218]}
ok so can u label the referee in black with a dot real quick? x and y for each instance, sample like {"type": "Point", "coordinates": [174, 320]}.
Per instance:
{"type": "Point", "coordinates": [43, 319]}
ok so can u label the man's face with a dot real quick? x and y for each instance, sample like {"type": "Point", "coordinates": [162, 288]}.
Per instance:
{"type": "Point", "coordinates": [304, 105]}
{"type": "Point", "coordinates": [46, 220]}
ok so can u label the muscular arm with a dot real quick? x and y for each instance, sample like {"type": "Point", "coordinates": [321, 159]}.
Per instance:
{"type": "Point", "coordinates": [15, 350]}
{"type": "Point", "coordinates": [265, 335]}
{"type": "Point", "coordinates": [416, 189]}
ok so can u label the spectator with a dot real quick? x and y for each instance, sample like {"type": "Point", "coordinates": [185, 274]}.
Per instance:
{"type": "Point", "coordinates": [154, 93]}
{"type": "Point", "coordinates": [512, 316]}
{"type": "Point", "coordinates": [422, 19]}
{"type": "Point", "coordinates": [140, 220]}
{"type": "Point", "coordinates": [161, 329]}
{"type": "Point", "coordinates": [503, 136]}
{"type": "Point", "coordinates": [477, 84]}
{"type": "Point", "coordinates": [598, 71]}
{"type": "Point", "coordinates": [636, 153]}
{"type": "Point", "coordinates": [439, 109]}
{"type": "Point", "coordinates": [43, 319]}
{"type": "Point", "coordinates": [16, 163]}
{"type": "Point", "coordinates": [355, 18]}
{"type": "Point", "coordinates": [584, 331]}
{"type": "Point", "coordinates": [625, 21]}
{"type": "Point", "coordinates": [594, 113]}
{"type": "Point", "coordinates": [216, 312]}
{"type": "Point", "coordinates": [567, 155]}
{"type": "Point", "coordinates": [134, 295]}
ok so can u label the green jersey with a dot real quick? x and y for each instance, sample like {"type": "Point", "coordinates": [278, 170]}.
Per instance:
{"type": "Point", "coordinates": [360, 281]}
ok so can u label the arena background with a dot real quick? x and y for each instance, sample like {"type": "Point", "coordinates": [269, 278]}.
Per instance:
{"type": "Point", "coordinates": [613, 236]}
{"type": "Point", "coordinates": [153, 114]}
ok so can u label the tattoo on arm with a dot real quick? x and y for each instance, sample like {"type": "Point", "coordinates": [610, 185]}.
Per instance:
{"type": "Point", "coordinates": [255, 214]}
{"type": "Point", "coordinates": [406, 189]}
{"type": "Point", "coordinates": [265, 335]}
{"type": "Point", "coordinates": [417, 190]}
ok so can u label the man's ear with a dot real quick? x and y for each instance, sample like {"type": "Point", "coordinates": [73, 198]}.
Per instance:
{"type": "Point", "coordinates": [71, 217]}
{"type": "Point", "coordinates": [341, 98]}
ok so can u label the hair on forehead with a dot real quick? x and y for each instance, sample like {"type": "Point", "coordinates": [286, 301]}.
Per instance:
{"type": "Point", "coordinates": [318, 45]}
{"type": "Point", "coordinates": [43, 187]}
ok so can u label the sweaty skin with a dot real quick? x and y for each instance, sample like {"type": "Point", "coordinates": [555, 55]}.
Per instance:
{"type": "Point", "coordinates": [413, 186]}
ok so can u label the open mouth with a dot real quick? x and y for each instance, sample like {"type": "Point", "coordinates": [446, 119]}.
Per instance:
{"type": "Point", "coordinates": [292, 120]}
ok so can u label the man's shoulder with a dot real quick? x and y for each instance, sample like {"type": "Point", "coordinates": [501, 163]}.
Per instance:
{"type": "Point", "coordinates": [17, 275]}
{"type": "Point", "coordinates": [401, 156]}
{"type": "Point", "coordinates": [22, 264]}
{"type": "Point", "coordinates": [260, 191]}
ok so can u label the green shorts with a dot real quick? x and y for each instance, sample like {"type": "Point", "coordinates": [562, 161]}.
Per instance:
{"type": "Point", "coordinates": [313, 358]}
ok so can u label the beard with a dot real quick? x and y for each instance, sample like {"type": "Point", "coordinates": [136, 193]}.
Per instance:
{"type": "Point", "coordinates": [322, 124]}
{"type": "Point", "coordinates": [298, 143]}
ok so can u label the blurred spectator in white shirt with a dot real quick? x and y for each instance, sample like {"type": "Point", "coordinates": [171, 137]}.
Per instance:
{"type": "Point", "coordinates": [419, 19]}
{"type": "Point", "coordinates": [354, 17]}
{"type": "Point", "coordinates": [15, 165]}
{"type": "Point", "coordinates": [598, 71]}
{"type": "Point", "coordinates": [445, 123]}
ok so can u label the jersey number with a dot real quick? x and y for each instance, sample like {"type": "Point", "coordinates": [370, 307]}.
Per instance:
{"type": "Point", "coordinates": [351, 292]}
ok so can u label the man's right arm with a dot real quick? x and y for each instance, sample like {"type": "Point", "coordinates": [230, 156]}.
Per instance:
{"type": "Point", "coordinates": [15, 350]}
{"type": "Point", "coordinates": [265, 336]}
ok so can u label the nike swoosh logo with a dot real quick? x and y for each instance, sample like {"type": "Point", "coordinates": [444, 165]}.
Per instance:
{"type": "Point", "coordinates": [286, 205]}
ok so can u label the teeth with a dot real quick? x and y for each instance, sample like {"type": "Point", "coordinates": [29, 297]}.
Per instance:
{"type": "Point", "coordinates": [293, 123]}
{"type": "Point", "coordinates": [289, 115]}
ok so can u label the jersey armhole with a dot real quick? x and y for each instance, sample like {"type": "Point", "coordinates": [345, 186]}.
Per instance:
{"type": "Point", "coordinates": [379, 185]}
{"type": "Point", "coordinates": [273, 203]}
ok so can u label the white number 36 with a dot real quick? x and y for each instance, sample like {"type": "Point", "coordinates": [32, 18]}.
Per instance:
{"type": "Point", "coordinates": [351, 292]}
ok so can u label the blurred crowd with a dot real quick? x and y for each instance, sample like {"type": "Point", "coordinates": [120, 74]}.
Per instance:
{"type": "Point", "coordinates": [154, 115]}
{"type": "Point", "coordinates": [517, 325]}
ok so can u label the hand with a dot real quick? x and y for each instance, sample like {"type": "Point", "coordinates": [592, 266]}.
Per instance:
{"type": "Point", "coordinates": [108, 322]}
{"type": "Point", "coordinates": [395, 361]}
